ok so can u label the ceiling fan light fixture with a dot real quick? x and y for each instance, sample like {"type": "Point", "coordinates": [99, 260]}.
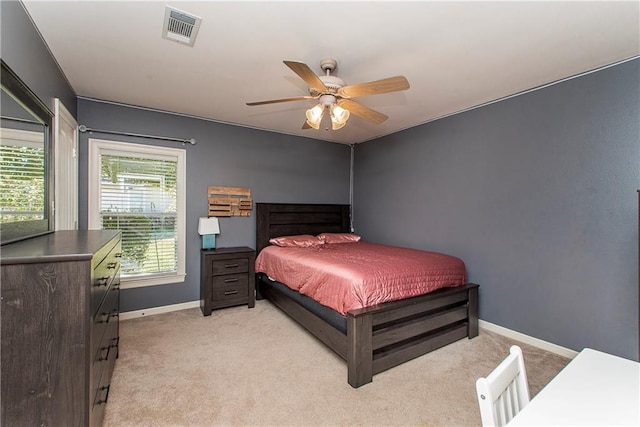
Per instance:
{"type": "Point", "coordinates": [314, 116]}
{"type": "Point", "coordinates": [336, 126]}
{"type": "Point", "coordinates": [339, 115]}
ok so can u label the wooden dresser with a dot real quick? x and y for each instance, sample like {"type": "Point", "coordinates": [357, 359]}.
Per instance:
{"type": "Point", "coordinates": [59, 330]}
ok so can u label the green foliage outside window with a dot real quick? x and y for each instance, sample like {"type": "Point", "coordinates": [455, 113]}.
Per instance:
{"type": "Point", "coordinates": [135, 235]}
{"type": "Point", "coordinates": [22, 191]}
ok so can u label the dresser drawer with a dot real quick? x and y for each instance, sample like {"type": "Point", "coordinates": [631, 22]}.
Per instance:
{"type": "Point", "coordinates": [100, 394]}
{"type": "Point", "coordinates": [104, 349]}
{"type": "Point", "coordinates": [106, 316]}
{"type": "Point", "coordinates": [106, 352]}
{"type": "Point", "coordinates": [230, 266]}
{"type": "Point", "coordinates": [103, 276]}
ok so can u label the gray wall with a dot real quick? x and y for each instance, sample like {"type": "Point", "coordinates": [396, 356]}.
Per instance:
{"type": "Point", "coordinates": [276, 167]}
{"type": "Point", "coordinates": [26, 54]}
{"type": "Point", "coordinates": [537, 194]}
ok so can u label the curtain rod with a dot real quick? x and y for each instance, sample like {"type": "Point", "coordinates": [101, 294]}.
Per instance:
{"type": "Point", "coordinates": [83, 128]}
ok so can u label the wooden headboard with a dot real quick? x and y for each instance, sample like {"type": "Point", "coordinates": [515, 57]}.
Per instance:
{"type": "Point", "coordinates": [288, 219]}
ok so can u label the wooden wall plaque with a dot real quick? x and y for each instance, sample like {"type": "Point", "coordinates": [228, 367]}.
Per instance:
{"type": "Point", "coordinates": [229, 201]}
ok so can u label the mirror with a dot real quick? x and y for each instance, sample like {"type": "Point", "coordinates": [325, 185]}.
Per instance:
{"type": "Point", "coordinates": [26, 179]}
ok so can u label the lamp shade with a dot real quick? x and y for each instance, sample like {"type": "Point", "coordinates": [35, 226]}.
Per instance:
{"type": "Point", "coordinates": [339, 115]}
{"type": "Point", "coordinates": [314, 116]}
{"type": "Point", "coordinates": [208, 226]}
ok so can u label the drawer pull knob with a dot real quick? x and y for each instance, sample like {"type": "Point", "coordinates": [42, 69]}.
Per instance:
{"type": "Point", "coordinates": [112, 265]}
{"type": "Point", "coordinates": [104, 317]}
{"type": "Point", "coordinates": [102, 281]}
{"type": "Point", "coordinates": [230, 280]}
{"type": "Point", "coordinates": [104, 356]}
{"type": "Point", "coordinates": [230, 292]}
{"type": "Point", "coordinates": [118, 255]}
{"type": "Point", "coordinates": [231, 266]}
{"type": "Point", "coordinates": [106, 396]}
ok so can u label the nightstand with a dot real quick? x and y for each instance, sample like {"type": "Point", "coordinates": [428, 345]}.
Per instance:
{"type": "Point", "coordinates": [227, 278]}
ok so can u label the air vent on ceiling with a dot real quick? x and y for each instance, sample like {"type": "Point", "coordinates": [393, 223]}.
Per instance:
{"type": "Point", "coordinates": [179, 26]}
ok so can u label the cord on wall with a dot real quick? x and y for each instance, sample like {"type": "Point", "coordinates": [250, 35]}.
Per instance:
{"type": "Point", "coordinates": [351, 189]}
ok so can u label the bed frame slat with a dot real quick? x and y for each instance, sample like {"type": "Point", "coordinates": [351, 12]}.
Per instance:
{"type": "Point", "coordinates": [415, 349]}
{"type": "Point", "coordinates": [294, 229]}
{"type": "Point", "coordinates": [400, 332]}
{"type": "Point", "coordinates": [278, 218]}
{"type": "Point", "coordinates": [419, 305]}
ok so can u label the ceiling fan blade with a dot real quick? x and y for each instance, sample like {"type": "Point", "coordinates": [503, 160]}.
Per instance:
{"type": "Point", "coordinates": [306, 74]}
{"type": "Point", "coordinates": [365, 112]}
{"type": "Point", "coordinates": [275, 101]}
{"type": "Point", "coordinates": [392, 84]}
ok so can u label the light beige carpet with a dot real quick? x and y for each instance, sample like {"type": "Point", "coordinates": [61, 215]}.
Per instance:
{"type": "Point", "coordinates": [256, 366]}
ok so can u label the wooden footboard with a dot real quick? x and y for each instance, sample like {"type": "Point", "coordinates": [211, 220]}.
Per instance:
{"type": "Point", "coordinates": [386, 335]}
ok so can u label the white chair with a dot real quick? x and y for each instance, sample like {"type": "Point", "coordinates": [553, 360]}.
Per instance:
{"type": "Point", "coordinates": [503, 393]}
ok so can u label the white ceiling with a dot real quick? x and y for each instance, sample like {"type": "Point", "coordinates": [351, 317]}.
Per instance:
{"type": "Point", "coordinates": [456, 55]}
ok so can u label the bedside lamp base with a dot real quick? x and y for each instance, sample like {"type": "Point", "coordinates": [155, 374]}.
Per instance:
{"type": "Point", "coordinates": [208, 241]}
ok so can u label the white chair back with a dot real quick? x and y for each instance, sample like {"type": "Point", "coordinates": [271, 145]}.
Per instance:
{"type": "Point", "coordinates": [503, 393]}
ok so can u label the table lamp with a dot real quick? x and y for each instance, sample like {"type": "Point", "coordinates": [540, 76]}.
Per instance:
{"type": "Point", "coordinates": [208, 228]}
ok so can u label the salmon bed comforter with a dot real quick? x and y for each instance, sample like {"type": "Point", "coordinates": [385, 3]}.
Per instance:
{"type": "Point", "coordinates": [348, 276]}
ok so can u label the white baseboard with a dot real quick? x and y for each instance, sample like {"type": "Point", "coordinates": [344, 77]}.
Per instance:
{"type": "Point", "coordinates": [158, 310]}
{"type": "Point", "coordinates": [535, 342]}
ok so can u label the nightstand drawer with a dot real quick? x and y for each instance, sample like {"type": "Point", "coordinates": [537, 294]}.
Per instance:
{"type": "Point", "coordinates": [238, 294]}
{"type": "Point", "coordinates": [229, 280]}
{"type": "Point", "coordinates": [230, 266]}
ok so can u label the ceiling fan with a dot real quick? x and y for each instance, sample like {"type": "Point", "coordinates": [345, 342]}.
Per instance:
{"type": "Point", "coordinates": [335, 95]}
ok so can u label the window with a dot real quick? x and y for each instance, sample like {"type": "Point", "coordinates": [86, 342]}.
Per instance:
{"type": "Point", "coordinates": [140, 190]}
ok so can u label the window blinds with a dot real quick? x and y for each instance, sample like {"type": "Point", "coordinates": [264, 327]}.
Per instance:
{"type": "Point", "coordinates": [22, 191]}
{"type": "Point", "coordinates": [138, 196]}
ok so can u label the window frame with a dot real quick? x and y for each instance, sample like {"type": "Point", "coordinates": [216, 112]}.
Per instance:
{"type": "Point", "coordinates": [98, 147]}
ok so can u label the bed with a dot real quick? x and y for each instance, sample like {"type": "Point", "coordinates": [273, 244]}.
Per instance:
{"type": "Point", "coordinates": [371, 339]}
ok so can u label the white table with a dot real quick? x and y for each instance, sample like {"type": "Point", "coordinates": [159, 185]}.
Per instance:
{"type": "Point", "coordinates": [594, 389]}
